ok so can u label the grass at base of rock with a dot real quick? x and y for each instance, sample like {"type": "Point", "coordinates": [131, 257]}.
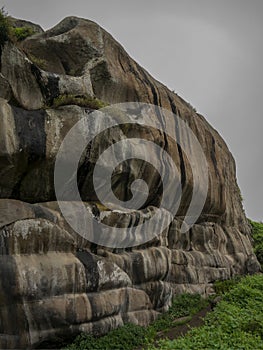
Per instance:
{"type": "Point", "coordinates": [131, 336]}
{"type": "Point", "coordinates": [127, 337]}
{"type": "Point", "coordinates": [183, 305]}
{"type": "Point", "coordinates": [222, 287]}
{"type": "Point", "coordinates": [235, 323]}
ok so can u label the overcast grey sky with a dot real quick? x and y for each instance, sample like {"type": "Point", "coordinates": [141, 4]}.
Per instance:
{"type": "Point", "coordinates": [209, 51]}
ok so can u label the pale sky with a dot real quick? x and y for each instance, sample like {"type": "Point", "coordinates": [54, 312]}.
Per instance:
{"type": "Point", "coordinates": [208, 51]}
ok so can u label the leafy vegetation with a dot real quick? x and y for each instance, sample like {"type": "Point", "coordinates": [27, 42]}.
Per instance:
{"type": "Point", "coordinates": [125, 338]}
{"type": "Point", "coordinates": [4, 27]}
{"type": "Point", "coordinates": [183, 305]}
{"type": "Point", "coordinates": [82, 101]}
{"type": "Point", "coordinates": [132, 336]}
{"type": "Point", "coordinates": [222, 287]}
{"type": "Point", "coordinates": [235, 323]}
{"type": "Point", "coordinates": [257, 234]}
{"type": "Point", "coordinates": [21, 33]}
{"type": "Point", "coordinates": [10, 33]}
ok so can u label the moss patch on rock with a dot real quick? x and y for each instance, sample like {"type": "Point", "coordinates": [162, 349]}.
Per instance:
{"type": "Point", "coordinates": [79, 100]}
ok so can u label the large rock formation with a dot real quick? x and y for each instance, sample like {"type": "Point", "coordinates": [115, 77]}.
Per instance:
{"type": "Point", "coordinates": [54, 283]}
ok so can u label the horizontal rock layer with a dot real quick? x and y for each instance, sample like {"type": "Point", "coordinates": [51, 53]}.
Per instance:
{"type": "Point", "coordinates": [56, 286]}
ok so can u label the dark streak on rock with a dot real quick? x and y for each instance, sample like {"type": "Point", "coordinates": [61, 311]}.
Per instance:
{"type": "Point", "coordinates": [180, 152]}
{"type": "Point", "coordinates": [30, 129]}
{"type": "Point", "coordinates": [213, 155]}
{"type": "Point", "coordinates": [91, 268]}
{"type": "Point", "coordinates": [13, 318]}
{"type": "Point", "coordinates": [137, 263]}
{"type": "Point", "coordinates": [43, 213]}
{"type": "Point", "coordinates": [49, 89]}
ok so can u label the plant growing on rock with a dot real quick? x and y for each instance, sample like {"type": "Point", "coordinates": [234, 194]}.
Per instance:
{"type": "Point", "coordinates": [40, 62]}
{"type": "Point", "coordinates": [4, 27]}
{"type": "Point", "coordinates": [21, 33]}
{"type": "Point", "coordinates": [130, 336]}
{"type": "Point", "coordinates": [9, 32]}
{"type": "Point", "coordinates": [257, 234]}
{"type": "Point", "coordinates": [80, 100]}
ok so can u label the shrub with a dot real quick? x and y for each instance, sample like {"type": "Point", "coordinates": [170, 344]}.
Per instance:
{"type": "Point", "coordinates": [221, 287]}
{"type": "Point", "coordinates": [4, 27]}
{"type": "Point", "coordinates": [21, 33]}
{"type": "Point", "coordinates": [82, 101]}
{"type": "Point", "coordinates": [124, 338]}
{"type": "Point", "coordinates": [8, 32]}
{"type": "Point", "coordinates": [257, 234]}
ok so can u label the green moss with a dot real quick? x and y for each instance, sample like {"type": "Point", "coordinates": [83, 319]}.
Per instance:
{"type": "Point", "coordinates": [82, 101]}
{"type": "Point", "coordinates": [41, 63]}
{"type": "Point", "coordinates": [100, 206]}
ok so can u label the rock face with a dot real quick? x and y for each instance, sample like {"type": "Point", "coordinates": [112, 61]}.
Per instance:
{"type": "Point", "coordinates": [20, 23]}
{"type": "Point", "coordinates": [54, 283]}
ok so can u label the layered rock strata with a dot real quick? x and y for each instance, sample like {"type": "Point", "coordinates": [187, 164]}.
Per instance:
{"type": "Point", "coordinates": [54, 283]}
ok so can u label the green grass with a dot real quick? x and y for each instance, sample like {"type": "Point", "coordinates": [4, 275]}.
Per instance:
{"type": "Point", "coordinates": [82, 101]}
{"type": "Point", "coordinates": [183, 305]}
{"type": "Point", "coordinates": [257, 234]}
{"type": "Point", "coordinates": [222, 287]}
{"type": "Point", "coordinates": [235, 323]}
{"type": "Point", "coordinates": [132, 336]}
{"type": "Point", "coordinates": [125, 338]}
{"type": "Point", "coordinates": [40, 62]}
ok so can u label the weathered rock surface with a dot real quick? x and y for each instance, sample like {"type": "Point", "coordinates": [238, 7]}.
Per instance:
{"type": "Point", "coordinates": [54, 283]}
{"type": "Point", "coordinates": [20, 23]}
{"type": "Point", "coordinates": [5, 89]}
